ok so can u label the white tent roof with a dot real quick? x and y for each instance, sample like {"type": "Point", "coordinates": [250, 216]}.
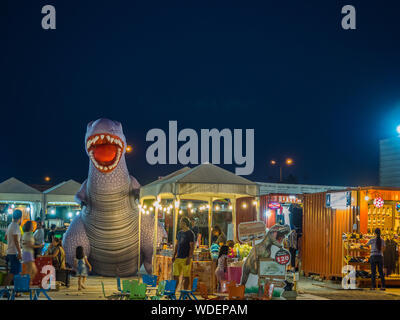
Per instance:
{"type": "Point", "coordinates": [14, 190]}
{"type": "Point", "coordinates": [201, 182]}
{"type": "Point", "coordinates": [268, 188]}
{"type": "Point", "coordinates": [63, 192]}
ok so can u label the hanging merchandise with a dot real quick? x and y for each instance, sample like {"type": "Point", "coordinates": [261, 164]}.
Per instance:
{"type": "Point", "coordinates": [398, 206]}
{"type": "Point", "coordinates": [378, 202]}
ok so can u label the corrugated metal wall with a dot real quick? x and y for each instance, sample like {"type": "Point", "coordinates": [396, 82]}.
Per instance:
{"type": "Point", "coordinates": [249, 213]}
{"type": "Point", "coordinates": [322, 235]}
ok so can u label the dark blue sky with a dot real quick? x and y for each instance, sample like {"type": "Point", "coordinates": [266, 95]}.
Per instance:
{"type": "Point", "coordinates": [312, 91]}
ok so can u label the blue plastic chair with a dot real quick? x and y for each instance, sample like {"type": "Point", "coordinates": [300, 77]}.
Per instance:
{"type": "Point", "coordinates": [5, 291]}
{"type": "Point", "coordinates": [150, 280]}
{"type": "Point", "coordinates": [119, 284]}
{"type": "Point", "coordinates": [21, 285]}
{"type": "Point", "coordinates": [188, 294]}
{"type": "Point", "coordinates": [170, 288]}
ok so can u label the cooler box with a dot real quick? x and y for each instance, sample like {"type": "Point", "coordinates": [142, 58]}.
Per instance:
{"type": "Point", "coordinates": [235, 274]}
{"type": "Point", "coordinates": [40, 263]}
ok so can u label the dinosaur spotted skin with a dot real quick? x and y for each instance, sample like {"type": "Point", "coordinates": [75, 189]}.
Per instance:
{"type": "Point", "coordinates": [274, 236]}
{"type": "Point", "coordinates": [108, 226]}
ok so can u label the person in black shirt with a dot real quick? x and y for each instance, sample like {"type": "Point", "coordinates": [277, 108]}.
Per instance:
{"type": "Point", "coordinates": [183, 252]}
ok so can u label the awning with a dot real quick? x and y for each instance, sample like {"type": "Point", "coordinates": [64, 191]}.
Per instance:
{"type": "Point", "coordinates": [200, 183]}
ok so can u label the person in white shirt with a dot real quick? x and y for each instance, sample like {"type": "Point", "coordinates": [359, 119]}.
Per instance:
{"type": "Point", "coordinates": [14, 254]}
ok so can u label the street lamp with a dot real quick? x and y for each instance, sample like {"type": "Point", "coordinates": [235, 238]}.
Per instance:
{"type": "Point", "coordinates": [128, 149]}
{"type": "Point", "coordinates": [288, 162]}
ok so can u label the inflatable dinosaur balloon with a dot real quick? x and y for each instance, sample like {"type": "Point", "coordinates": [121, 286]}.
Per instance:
{"type": "Point", "coordinates": [108, 226]}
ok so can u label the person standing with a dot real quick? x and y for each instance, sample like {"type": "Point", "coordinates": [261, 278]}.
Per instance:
{"type": "Point", "coordinates": [219, 236]}
{"type": "Point", "coordinates": [14, 254]}
{"type": "Point", "coordinates": [39, 237]}
{"type": "Point", "coordinates": [376, 259]}
{"type": "Point", "coordinates": [28, 250]}
{"type": "Point", "coordinates": [183, 252]}
{"type": "Point", "coordinates": [292, 244]}
{"type": "Point", "coordinates": [52, 233]}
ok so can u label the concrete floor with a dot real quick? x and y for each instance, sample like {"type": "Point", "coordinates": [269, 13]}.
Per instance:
{"type": "Point", "coordinates": [308, 290]}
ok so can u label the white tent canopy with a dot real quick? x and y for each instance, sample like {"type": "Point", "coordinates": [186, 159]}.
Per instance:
{"type": "Point", "coordinates": [200, 183]}
{"type": "Point", "coordinates": [63, 192]}
{"type": "Point", "coordinates": [14, 190]}
{"type": "Point", "coordinates": [205, 182]}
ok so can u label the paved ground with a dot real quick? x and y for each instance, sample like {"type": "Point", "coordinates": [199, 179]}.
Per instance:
{"type": "Point", "coordinates": [308, 290]}
{"type": "Point", "coordinates": [333, 291]}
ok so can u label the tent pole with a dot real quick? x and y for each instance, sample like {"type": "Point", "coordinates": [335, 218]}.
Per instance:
{"type": "Point", "coordinates": [155, 235]}
{"type": "Point", "coordinates": [210, 207]}
{"type": "Point", "coordinates": [258, 213]}
{"type": "Point", "coordinates": [174, 227]}
{"type": "Point", "coordinates": [140, 224]}
{"type": "Point", "coordinates": [233, 200]}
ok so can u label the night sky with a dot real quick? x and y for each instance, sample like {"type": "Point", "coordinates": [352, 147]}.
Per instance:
{"type": "Point", "coordinates": [311, 90]}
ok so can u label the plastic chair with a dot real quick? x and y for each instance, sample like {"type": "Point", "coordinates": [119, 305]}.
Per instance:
{"type": "Point", "coordinates": [236, 292]}
{"type": "Point", "coordinates": [5, 291]}
{"type": "Point", "coordinates": [119, 284]}
{"type": "Point", "coordinates": [170, 289]}
{"type": "Point", "coordinates": [189, 294]}
{"type": "Point", "coordinates": [21, 285]}
{"type": "Point", "coordinates": [138, 291]}
{"type": "Point", "coordinates": [150, 280]}
{"type": "Point", "coordinates": [160, 291]}
{"type": "Point", "coordinates": [126, 285]}
{"type": "Point", "coordinates": [111, 297]}
{"type": "Point", "coordinates": [204, 292]}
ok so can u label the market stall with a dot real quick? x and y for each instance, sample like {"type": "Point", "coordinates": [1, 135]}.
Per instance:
{"type": "Point", "coordinates": [337, 226]}
{"type": "Point", "coordinates": [15, 194]}
{"type": "Point", "coordinates": [60, 206]}
{"type": "Point", "coordinates": [203, 194]}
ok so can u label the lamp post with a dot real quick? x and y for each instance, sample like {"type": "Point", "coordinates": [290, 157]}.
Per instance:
{"type": "Point", "coordinates": [288, 162]}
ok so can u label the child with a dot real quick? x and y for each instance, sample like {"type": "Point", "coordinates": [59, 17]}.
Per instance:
{"type": "Point", "coordinates": [80, 265]}
{"type": "Point", "coordinates": [28, 247]}
{"type": "Point", "coordinates": [222, 265]}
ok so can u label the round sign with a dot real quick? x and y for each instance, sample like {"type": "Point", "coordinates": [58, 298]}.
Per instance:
{"type": "Point", "coordinates": [282, 257]}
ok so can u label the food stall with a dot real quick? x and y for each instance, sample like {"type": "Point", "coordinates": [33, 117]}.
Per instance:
{"type": "Point", "coordinates": [200, 193]}
{"type": "Point", "coordinates": [14, 195]}
{"type": "Point", "coordinates": [60, 206]}
{"type": "Point", "coordinates": [342, 222]}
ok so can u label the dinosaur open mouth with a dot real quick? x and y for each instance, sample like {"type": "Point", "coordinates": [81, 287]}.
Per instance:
{"type": "Point", "coordinates": [279, 236]}
{"type": "Point", "coordinates": [105, 151]}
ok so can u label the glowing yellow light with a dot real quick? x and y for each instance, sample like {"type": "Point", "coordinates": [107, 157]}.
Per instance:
{"type": "Point", "coordinates": [151, 208]}
{"type": "Point", "coordinates": [230, 207]}
{"type": "Point", "coordinates": [217, 208]}
{"type": "Point", "coordinates": [244, 205]}
{"type": "Point", "coordinates": [190, 205]}
{"type": "Point", "coordinates": [180, 211]}
{"type": "Point", "coordinates": [128, 149]}
{"type": "Point", "coordinates": [254, 202]}
{"type": "Point", "coordinates": [289, 161]}
{"type": "Point", "coordinates": [47, 179]}
{"type": "Point", "coordinates": [273, 162]}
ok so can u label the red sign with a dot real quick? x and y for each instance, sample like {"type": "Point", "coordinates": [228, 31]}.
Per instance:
{"type": "Point", "coordinates": [274, 205]}
{"type": "Point", "coordinates": [282, 257]}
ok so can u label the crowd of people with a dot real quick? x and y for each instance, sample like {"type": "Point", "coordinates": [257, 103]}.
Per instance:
{"type": "Point", "coordinates": [23, 249]}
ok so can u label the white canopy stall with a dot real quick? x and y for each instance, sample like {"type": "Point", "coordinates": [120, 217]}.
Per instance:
{"type": "Point", "coordinates": [205, 182]}
{"type": "Point", "coordinates": [63, 195]}
{"type": "Point", "coordinates": [15, 192]}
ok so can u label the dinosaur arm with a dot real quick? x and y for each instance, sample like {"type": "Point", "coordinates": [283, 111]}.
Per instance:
{"type": "Point", "coordinates": [81, 196]}
{"type": "Point", "coordinates": [134, 188]}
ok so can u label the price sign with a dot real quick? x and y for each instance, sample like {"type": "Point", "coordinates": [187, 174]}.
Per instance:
{"type": "Point", "coordinates": [282, 257]}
